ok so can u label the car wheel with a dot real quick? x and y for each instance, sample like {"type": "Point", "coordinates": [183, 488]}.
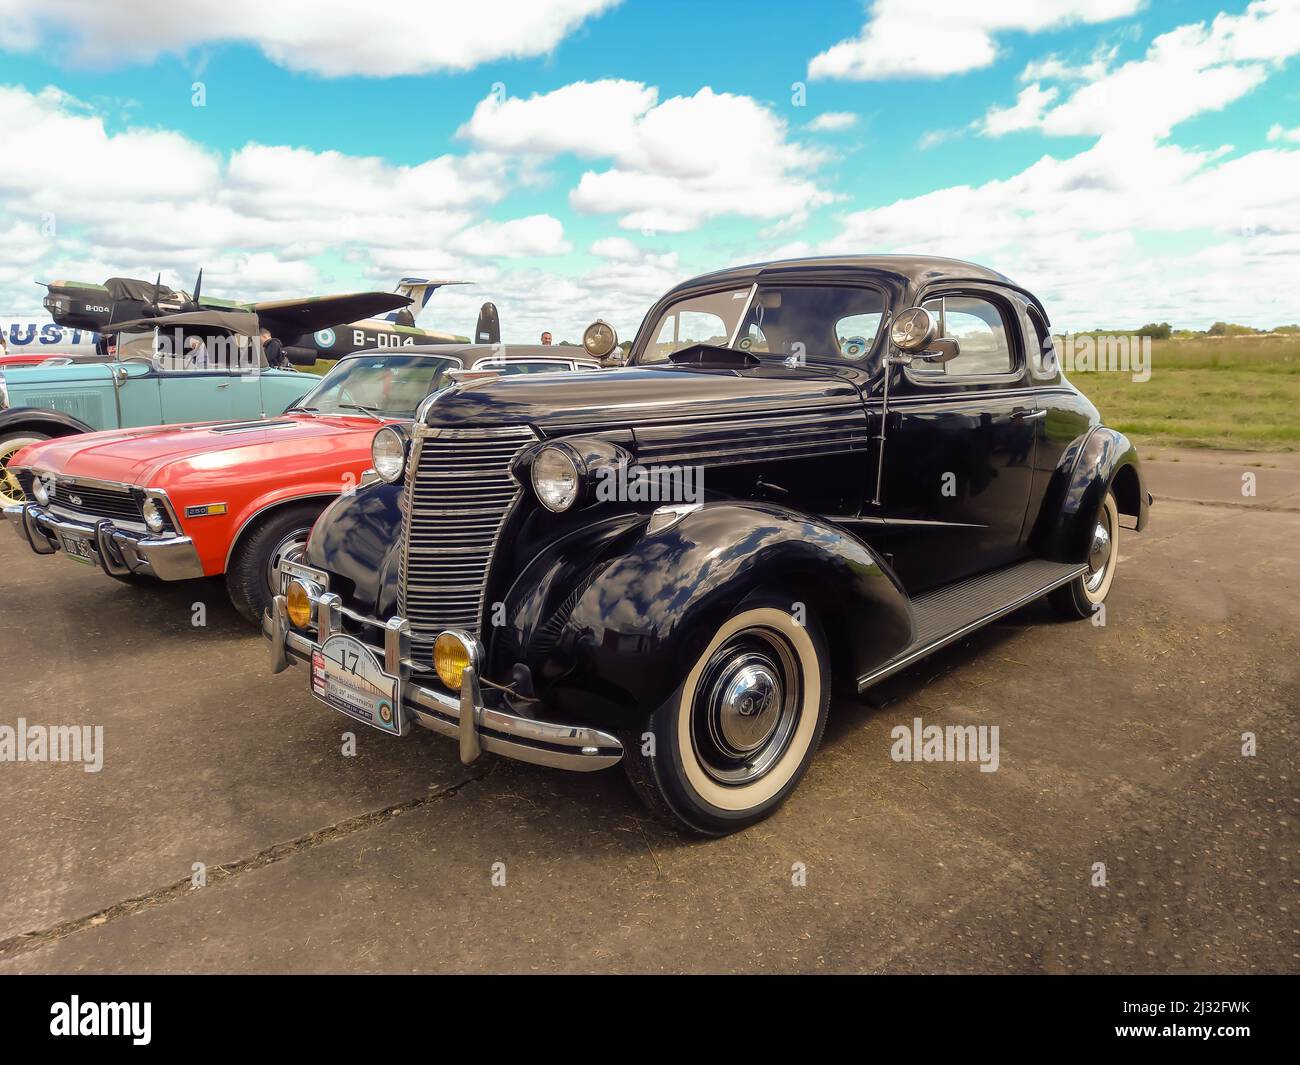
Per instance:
{"type": "Point", "coordinates": [736, 737]}
{"type": "Point", "coordinates": [11, 492]}
{"type": "Point", "coordinates": [1083, 595]}
{"type": "Point", "coordinates": [253, 577]}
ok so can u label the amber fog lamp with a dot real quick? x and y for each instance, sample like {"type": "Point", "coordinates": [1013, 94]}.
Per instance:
{"type": "Point", "coordinates": [450, 658]}
{"type": "Point", "coordinates": [297, 602]}
{"type": "Point", "coordinates": [452, 653]}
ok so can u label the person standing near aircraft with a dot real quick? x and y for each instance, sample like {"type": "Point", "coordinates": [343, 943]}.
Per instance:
{"type": "Point", "coordinates": [273, 349]}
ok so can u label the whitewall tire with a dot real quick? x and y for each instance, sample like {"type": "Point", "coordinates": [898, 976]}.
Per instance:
{"type": "Point", "coordinates": [738, 734]}
{"type": "Point", "coordinates": [1083, 595]}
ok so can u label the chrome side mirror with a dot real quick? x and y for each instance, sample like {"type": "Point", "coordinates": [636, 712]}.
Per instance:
{"type": "Point", "coordinates": [916, 333]}
{"type": "Point", "coordinates": [945, 349]}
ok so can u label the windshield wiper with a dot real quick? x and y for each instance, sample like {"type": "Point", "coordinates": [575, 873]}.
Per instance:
{"type": "Point", "coordinates": [305, 410]}
{"type": "Point", "coordinates": [364, 410]}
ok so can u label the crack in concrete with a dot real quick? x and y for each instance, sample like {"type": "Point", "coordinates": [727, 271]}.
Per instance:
{"type": "Point", "coordinates": [1268, 508]}
{"type": "Point", "coordinates": [25, 942]}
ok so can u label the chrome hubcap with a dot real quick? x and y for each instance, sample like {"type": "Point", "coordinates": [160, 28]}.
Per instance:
{"type": "Point", "coordinates": [1099, 554]}
{"type": "Point", "coordinates": [747, 703]}
{"type": "Point", "coordinates": [746, 706]}
{"type": "Point", "coordinates": [290, 550]}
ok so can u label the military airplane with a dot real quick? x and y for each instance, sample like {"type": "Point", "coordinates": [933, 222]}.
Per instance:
{"type": "Point", "coordinates": [310, 328]}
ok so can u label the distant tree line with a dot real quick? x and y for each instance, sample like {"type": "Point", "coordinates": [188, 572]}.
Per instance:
{"type": "Point", "coordinates": [1163, 331]}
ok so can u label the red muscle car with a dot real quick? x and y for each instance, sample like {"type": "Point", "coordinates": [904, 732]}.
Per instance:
{"type": "Point", "coordinates": [239, 498]}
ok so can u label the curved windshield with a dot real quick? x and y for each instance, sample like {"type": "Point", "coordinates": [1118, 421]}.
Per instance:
{"type": "Point", "coordinates": [790, 322]}
{"type": "Point", "coordinates": [387, 386]}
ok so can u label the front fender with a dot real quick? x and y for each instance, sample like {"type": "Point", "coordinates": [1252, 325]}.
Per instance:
{"type": "Point", "coordinates": [249, 511]}
{"type": "Point", "coordinates": [1100, 461]}
{"type": "Point", "coordinates": [358, 539]}
{"type": "Point", "coordinates": [50, 422]}
{"type": "Point", "coordinates": [611, 619]}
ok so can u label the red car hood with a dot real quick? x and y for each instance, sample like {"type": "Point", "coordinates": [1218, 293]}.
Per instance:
{"type": "Point", "coordinates": [149, 457]}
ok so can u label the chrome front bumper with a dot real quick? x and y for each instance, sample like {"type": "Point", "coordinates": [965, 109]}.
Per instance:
{"type": "Point", "coordinates": [118, 552]}
{"type": "Point", "coordinates": [480, 723]}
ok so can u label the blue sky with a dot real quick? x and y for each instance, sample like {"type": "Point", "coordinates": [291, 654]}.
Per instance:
{"type": "Point", "coordinates": [1169, 198]}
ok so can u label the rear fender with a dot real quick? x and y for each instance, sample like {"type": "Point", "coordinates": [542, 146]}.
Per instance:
{"type": "Point", "coordinates": [1100, 461]}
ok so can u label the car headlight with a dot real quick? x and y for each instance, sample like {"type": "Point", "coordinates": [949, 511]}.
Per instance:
{"type": "Point", "coordinates": [388, 453]}
{"type": "Point", "coordinates": [155, 518]}
{"type": "Point", "coordinates": [555, 479]}
{"type": "Point", "coordinates": [41, 489]}
{"type": "Point", "coordinates": [453, 653]}
{"type": "Point", "coordinates": [4, 393]}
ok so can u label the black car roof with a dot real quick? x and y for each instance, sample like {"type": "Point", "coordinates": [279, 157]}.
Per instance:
{"type": "Point", "coordinates": [914, 270]}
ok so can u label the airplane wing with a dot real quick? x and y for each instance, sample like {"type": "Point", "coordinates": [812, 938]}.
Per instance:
{"type": "Point", "coordinates": [295, 317]}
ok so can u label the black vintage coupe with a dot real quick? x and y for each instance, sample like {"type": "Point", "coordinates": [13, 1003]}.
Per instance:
{"type": "Point", "coordinates": [809, 472]}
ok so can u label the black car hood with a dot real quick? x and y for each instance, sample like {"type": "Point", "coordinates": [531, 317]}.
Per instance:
{"type": "Point", "coordinates": [636, 395]}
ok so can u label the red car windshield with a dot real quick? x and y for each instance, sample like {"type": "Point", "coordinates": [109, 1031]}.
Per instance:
{"type": "Point", "coordinates": [389, 386]}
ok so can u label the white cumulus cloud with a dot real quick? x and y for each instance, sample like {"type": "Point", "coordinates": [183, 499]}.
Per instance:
{"type": "Point", "coordinates": [328, 37]}
{"type": "Point", "coordinates": [673, 164]}
{"type": "Point", "coordinates": [832, 122]}
{"type": "Point", "coordinates": [934, 38]}
{"type": "Point", "coordinates": [88, 203]}
{"type": "Point", "coordinates": [1188, 71]}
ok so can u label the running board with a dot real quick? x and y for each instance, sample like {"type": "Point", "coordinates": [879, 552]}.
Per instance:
{"type": "Point", "coordinates": [949, 613]}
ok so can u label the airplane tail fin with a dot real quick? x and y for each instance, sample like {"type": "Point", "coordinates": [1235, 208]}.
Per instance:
{"type": "Point", "coordinates": [418, 289]}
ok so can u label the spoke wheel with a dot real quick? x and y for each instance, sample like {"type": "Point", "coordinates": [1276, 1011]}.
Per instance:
{"type": "Point", "coordinates": [11, 491]}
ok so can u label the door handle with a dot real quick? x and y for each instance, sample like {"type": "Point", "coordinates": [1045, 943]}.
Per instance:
{"type": "Point", "coordinates": [1026, 415]}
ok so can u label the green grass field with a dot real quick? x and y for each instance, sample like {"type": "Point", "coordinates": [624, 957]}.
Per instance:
{"type": "Point", "coordinates": [1239, 393]}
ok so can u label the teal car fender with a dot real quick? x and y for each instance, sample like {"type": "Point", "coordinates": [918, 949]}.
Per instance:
{"type": "Point", "coordinates": [84, 395]}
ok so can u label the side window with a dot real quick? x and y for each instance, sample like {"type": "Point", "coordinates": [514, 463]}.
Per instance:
{"type": "Point", "coordinates": [855, 333]}
{"type": "Point", "coordinates": [1042, 337]}
{"type": "Point", "coordinates": [685, 328]}
{"type": "Point", "coordinates": [978, 325]}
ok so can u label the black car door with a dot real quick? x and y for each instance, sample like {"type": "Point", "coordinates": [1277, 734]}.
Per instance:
{"type": "Point", "coordinates": [959, 447]}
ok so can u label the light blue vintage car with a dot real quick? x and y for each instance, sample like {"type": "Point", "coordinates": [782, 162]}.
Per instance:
{"type": "Point", "coordinates": [137, 388]}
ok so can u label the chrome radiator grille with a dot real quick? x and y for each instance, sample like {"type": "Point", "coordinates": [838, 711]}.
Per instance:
{"type": "Point", "coordinates": [457, 497]}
